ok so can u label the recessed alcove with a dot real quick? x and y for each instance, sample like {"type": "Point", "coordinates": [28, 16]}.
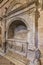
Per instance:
{"type": "Point", "coordinates": [17, 35]}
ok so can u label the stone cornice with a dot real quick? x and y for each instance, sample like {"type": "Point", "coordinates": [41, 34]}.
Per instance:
{"type": "Point", "coordinates": [24, 6]}
{"type": "Point", "coordinates": [30, 10]}
{"type": "Point", "coordinates": [3, 3]}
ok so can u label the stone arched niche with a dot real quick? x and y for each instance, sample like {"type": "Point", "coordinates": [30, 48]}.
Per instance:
{"type": "Point", "coordinates": [17, 32]}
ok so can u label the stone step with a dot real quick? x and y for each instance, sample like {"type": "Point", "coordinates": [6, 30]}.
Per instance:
{"type": "Point", "coordinates": [4, 61]}
{"type": "Point", "coordinates": [16, 62]}
{"type": "Point", "coordinates": [16, 58]}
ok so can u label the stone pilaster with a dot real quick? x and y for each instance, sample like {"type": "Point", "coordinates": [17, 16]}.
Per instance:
{"type": "Point", "coordinates": [37, 51]}
{"type": "Point", "coordinates": [5, 42]}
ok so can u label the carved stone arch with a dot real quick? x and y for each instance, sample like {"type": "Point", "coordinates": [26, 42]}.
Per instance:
{"type": "Point", "coordinates": [19, 19]}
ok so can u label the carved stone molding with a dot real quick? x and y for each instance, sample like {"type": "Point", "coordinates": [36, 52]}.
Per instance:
{"type": "Point", "coordinates": [3, 2]}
